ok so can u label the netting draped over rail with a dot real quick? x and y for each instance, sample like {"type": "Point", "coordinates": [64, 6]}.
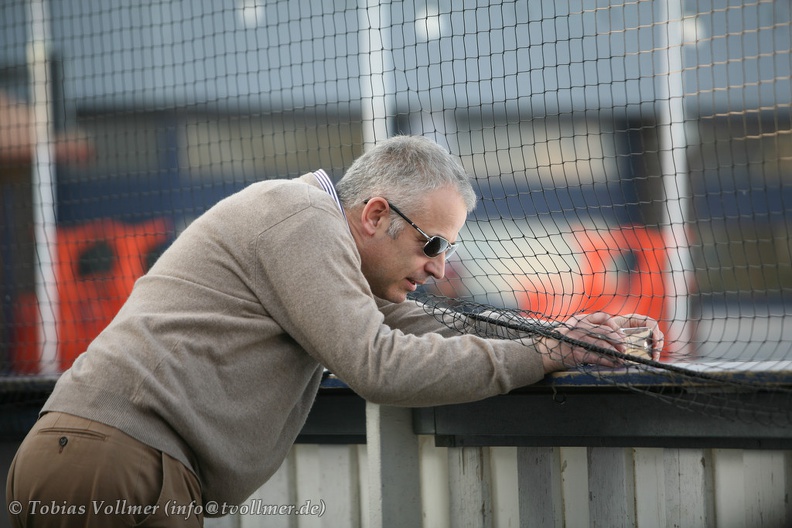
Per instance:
{"type": "Point", "coordinates": [629, 157]}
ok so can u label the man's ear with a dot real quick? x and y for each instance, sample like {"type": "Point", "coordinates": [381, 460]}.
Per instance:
{"type": "Point", "coordinates": [374, 215]}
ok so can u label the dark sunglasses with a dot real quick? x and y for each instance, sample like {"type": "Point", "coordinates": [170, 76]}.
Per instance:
{"type": "Point", "coordinates": [435, 244]}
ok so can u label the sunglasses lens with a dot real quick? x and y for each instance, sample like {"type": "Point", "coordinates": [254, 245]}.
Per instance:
{"type": "Point", "coordinates": [437, 245]}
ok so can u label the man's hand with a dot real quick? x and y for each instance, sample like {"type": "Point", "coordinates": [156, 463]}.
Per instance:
{"type": "Point", "coordinates": [600, 329]}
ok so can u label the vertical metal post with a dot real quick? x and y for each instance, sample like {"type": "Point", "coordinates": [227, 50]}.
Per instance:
{"type": "Point", "coordinates": [43, 181]}
{"type": "Point", "coordinates": [539, 479]}
{"type": "Point", "coordinates": [393, 468]}
{"type": "Point", "coordinates": [674, 167]}
{"type": "Point", "coordinates": [376, 70]}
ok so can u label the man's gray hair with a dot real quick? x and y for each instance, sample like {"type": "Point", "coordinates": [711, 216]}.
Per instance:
{"type": "Point", "coordinates": [404, 169]}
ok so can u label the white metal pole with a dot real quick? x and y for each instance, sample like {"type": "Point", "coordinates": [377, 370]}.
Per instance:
{"type": "Point", "coordinates": [674, 168]}
{"type": "Point", "coordinates": [376, 70]}
{"type": "Point", "coordinates": [43, 181]}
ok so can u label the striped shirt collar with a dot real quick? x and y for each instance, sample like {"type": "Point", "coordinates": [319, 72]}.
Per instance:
{"type": "Point", "coordinates": [327, 184]}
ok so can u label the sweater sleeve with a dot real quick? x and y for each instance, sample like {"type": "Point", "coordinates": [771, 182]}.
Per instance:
{"type": "Point", "coordinates": [318, 295]}
{"type": "Point", "coordinates": [419, 318]}
{"type": "Point", "coordinates": [414, 318]}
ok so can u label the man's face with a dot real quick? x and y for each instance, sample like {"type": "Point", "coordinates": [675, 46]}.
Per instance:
{"type": "Point", "coordinates": [395, 267]}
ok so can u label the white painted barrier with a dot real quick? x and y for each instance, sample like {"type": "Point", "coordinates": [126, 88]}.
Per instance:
{"type": "Point", "coordinates": [502, 487]}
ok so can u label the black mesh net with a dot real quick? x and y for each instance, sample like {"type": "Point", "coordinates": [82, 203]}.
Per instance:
{"type": "Point", "coordinates": [629, 157]}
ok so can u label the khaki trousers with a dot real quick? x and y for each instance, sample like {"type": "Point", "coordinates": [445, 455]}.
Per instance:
{"type": "Point", "coordinates": [73, 472]}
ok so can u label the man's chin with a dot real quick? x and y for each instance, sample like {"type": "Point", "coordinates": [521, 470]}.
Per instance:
{"type": "Point", "coordinates": [395, 296]}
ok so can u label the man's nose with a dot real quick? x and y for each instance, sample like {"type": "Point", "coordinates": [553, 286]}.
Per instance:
{"type": "Point", "coordinates": [436, 266]}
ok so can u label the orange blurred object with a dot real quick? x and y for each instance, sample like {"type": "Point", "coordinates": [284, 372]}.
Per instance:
{"type": "Point", "coordinates": [97, 266]}
{"type": "Point", "coordinates": [621, 272]}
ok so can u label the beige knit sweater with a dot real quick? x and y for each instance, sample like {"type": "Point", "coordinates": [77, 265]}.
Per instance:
{"type": "Point", "coordinates": [217, 355]}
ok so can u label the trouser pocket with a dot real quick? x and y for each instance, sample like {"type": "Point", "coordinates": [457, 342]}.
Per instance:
{"type": "Point", "coordinates": [74, 472]}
